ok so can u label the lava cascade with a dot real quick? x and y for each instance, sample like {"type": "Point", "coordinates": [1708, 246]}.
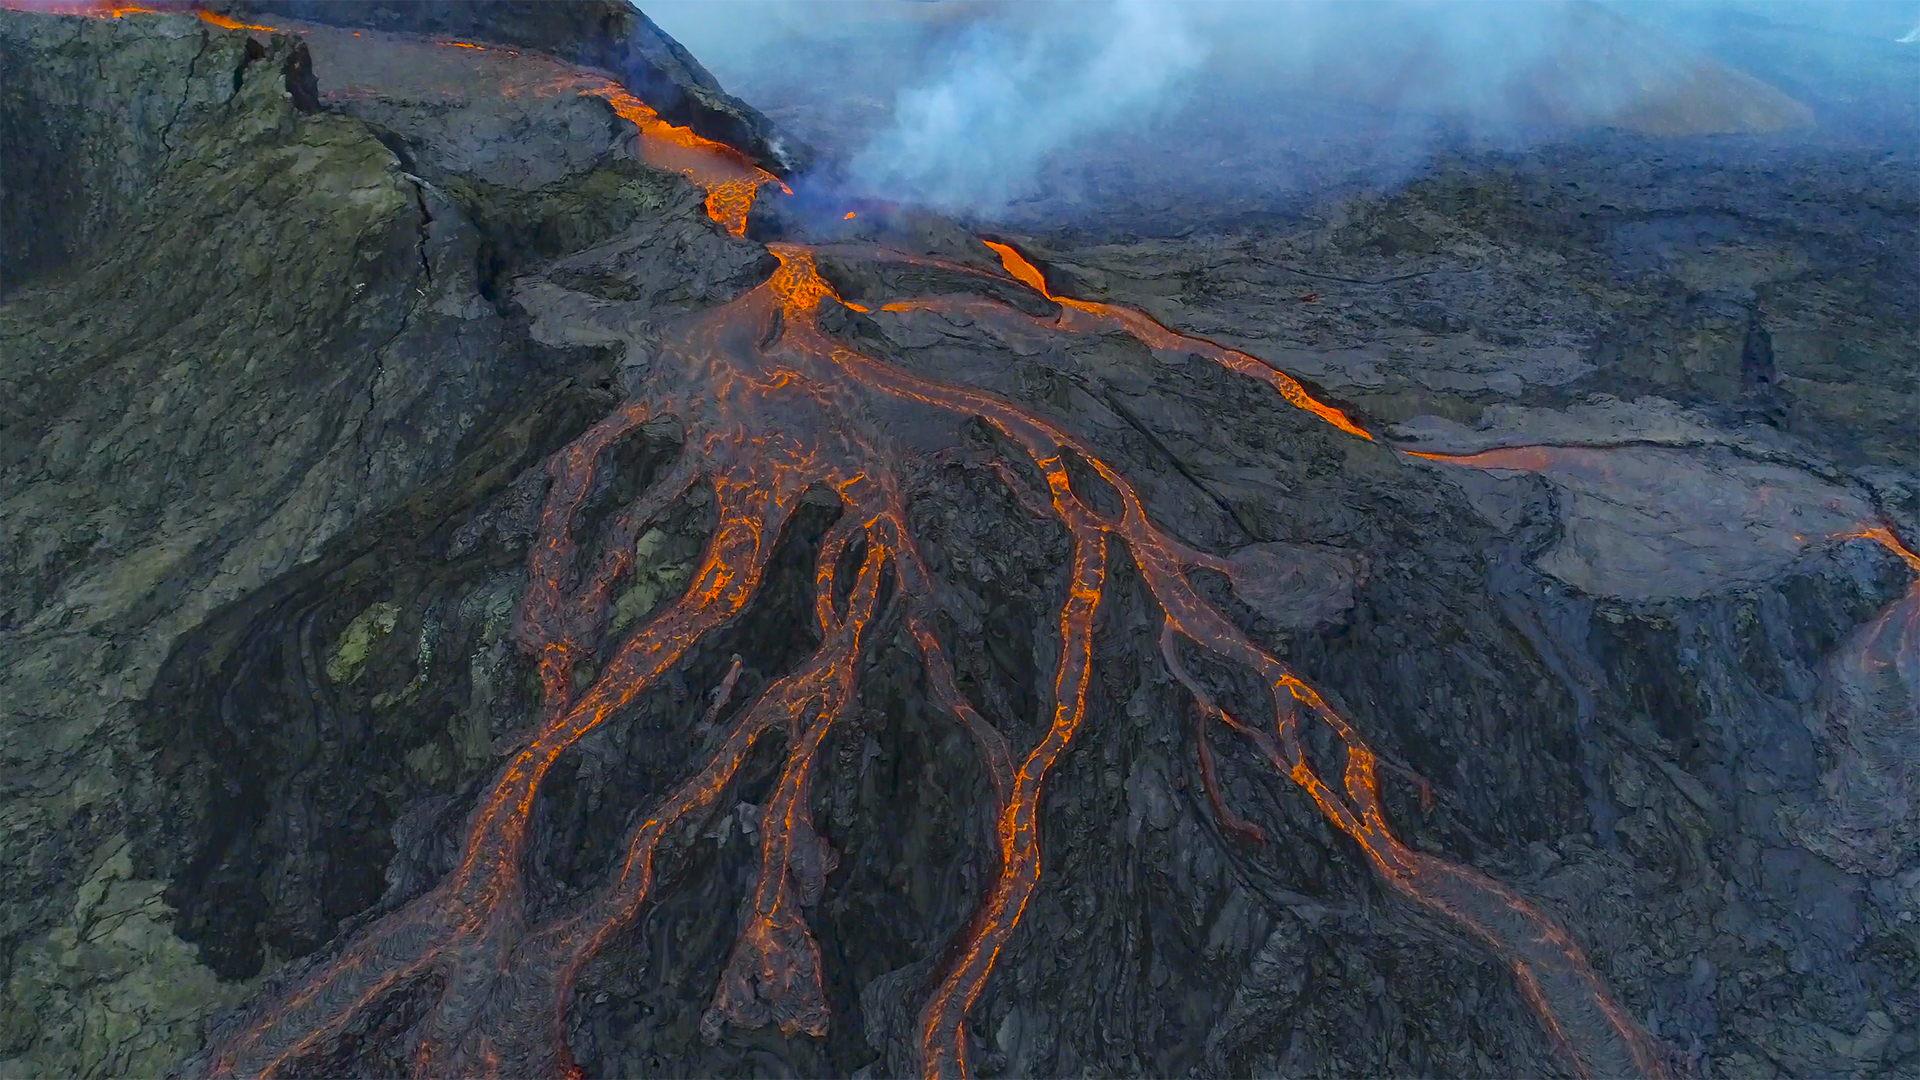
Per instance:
{"type": "Point", "coordinates": [1892, 640]}
{"type": "Point", "coordinates": [728, 178]}
{"type": "Point", "coordinates": [772, 409]}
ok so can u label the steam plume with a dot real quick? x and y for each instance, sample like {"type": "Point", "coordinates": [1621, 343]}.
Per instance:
{"type": "Point", "coordinates": [969, 107]}
{"type": "Point", "coordinates": [1016, 90]}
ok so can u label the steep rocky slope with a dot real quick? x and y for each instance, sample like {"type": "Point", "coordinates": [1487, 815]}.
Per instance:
{"type": "Point", "coordinates": [297, 381]}
{"type": "Point", "coordinates": [268, 334]}
{"type": "Point", "coordinates": [603, 34]}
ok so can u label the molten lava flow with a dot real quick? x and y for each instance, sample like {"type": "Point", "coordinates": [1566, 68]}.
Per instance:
{"type": "Point", "coordinates": [1515, 458]}
{"type": "Point", "coordinates": [725, 174]}
{"type": "Point", "coordinates": [772, 409]}
{"type": "Point", "coordinates": [774, 973]}
{"type": "Point", "coordinates": [92, 9]}
{"type": "Point", "coordinates": [228, 23]}
{"type": "Point", "coordinates": [1553, 972]}
{"type": "Point", "coordinates": [1155, 336]}
{"type": "Point", "coordinates": [1087, 317]}
{"type": "Point", "coordinates": [1883, 536]}
{"type": "Point", "coordinates": [1891, 641]}
{"type": "Point", "coordinates": [109, 9]}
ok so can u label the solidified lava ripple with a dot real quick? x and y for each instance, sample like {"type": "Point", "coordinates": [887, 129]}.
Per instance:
{"type": "Point", "coordinates": [770, 415]}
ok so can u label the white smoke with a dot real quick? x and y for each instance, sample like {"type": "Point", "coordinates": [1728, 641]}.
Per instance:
{"type": "Point", "coordinates": [971, 106]}
{"type": "Point", "coordinates": [974, 136]}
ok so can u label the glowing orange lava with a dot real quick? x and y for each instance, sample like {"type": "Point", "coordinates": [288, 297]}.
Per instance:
{"type": "Point", "coordinates": [1156, 336]}
{"type": "Point", "coordinates": [1088, 317]}
{"type": "Point", "coordinates": [767, 420]}
{"type": "Point", "coordinates": [1883, 536]}
{"type": "Point", "coordinates": [725, 174]}
{"type": "Point", "coordinates": [772, 409]}
{"type": "Point", "coordinates": [107, 9]}
{"type": "Point", "coordinates": [1515, 458]}
{"type": "Point", "coordinates": [92, 9]}
{"type": "Point", "coordinates": [227, 23]}
{"type": "Point", "coordinates": [729, 179]}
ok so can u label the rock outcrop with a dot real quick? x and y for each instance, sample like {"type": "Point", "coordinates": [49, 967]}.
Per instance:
{"type": "Point", "coordinates": [237, 334]}
{"type": "Point", "coordinates": [612, 35]}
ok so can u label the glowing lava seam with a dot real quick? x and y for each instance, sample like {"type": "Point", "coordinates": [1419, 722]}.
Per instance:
{"type": "Point", "coordinates": [1154, 335]}
{"type": "Point", "coordinates": [725, 174]}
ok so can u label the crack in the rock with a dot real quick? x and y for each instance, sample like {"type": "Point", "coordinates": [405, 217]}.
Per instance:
{"type": "Point", "coordinates": [1112, 402]}
{"type": "Point", "coordinates": [1292, 269]}
{"type": "Point", "coordinates": [379, 371]}
{"type": "Point", "coordinates": [186, 95]}
{"type": "Point", "coordinates": [1757, 455]}
{"type": "Point", "coordinates": [426, 219]}
{"type": "Point", "coordinates": [420, 297]}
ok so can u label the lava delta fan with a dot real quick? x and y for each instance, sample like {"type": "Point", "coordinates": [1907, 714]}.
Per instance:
{"type": "Point", "coordinates": [568, 589]}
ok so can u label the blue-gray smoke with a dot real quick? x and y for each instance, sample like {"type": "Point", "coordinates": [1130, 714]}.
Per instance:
{"type": "Point", "coordinates": [1011, 92]}
{"type": "Point", "coordinates": [963, 105]}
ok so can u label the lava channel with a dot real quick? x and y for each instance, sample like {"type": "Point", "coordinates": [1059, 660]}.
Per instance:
{"type": "Point", "coordinates": [772, 409]}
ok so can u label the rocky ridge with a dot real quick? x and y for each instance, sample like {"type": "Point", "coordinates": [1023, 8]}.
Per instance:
{"type": "Point", "coordinates": [610, 35]}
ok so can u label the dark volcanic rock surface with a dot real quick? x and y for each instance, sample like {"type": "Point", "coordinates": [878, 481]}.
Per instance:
{"type": "Point", "coordinates": [105, 138]}
{"type": "Point", "coordinates": [279, 390]}
{"type": "Point", "coordinates": [611, 35]}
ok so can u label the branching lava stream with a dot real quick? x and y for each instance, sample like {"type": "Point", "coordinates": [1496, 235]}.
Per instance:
{"type": "Point", "coordinates": [773, 410]}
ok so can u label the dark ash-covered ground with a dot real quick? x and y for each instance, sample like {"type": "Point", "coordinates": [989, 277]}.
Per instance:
{"type": "Point", "coordinates": [275, 405]}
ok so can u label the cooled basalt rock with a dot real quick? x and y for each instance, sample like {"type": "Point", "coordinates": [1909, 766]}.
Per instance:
{"type": "Point", "coordinates": [268, 536]}
{"type": "Point", "coordinates": [83, 150]}
{"type": "Point", "coordinates": [236, 332]}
